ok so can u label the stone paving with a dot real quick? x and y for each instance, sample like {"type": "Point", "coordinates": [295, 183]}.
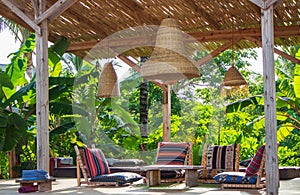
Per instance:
{"type": "Point", "coordinates": [68, 186]}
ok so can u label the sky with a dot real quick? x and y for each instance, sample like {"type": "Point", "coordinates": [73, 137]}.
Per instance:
{"type": "Point", "coordinates": [9, 45]}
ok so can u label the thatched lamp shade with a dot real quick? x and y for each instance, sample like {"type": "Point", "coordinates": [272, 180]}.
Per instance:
{"type": "Point", "coordinates": [108, 85]}
{"type": "Point", "coordinates": [233, 78]}
{"type": "Point", "coordinates": [168, 61]}
{"type": "Point", "coordinates": [234, 84]}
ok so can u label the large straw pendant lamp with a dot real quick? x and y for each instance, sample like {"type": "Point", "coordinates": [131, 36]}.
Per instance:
{"type": "Point", "coordinates": [169, 62]}
{"type": "Point", "coordinates": [108, 82]}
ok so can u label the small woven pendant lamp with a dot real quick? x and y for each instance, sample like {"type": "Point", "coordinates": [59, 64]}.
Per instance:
{"type": "Point", "coordinates": [169, 62]}
{"type": "Point", "coordinates": [234, 83]}
{"type": "Point", "coordinates": [108, 85]}
{"type": "Point", "coordinates": [233, 77]}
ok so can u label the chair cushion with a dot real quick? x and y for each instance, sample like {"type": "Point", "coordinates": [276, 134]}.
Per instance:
{"type": "Point", "coordinates": [172, 153]}
{"type": "Point", "coordinates": [254, 165]}
{"type": "Point", "coordinates": [96, 162]}
{"type": "Point", "coordinates": [121, 177]}
{"type": "Point", "coordinates": [220, 157]}
{"type": "Point", "coordinates": [209, 173]}
{"type": "Point", "coordinates": [235, 178]}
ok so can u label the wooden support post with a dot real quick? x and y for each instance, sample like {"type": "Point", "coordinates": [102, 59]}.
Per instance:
{"type": "Point", "coordinates": [272, 173]}
{"type": "Point", "coordinates": [267, 30]}
{"type": "Point", "coordinates": [42, 93]}
{"type": "Point", "coordinates": [191, 177]}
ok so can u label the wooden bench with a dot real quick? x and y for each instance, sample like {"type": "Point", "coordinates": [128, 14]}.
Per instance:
{"type": "Point", "coordinates": [43, 185]}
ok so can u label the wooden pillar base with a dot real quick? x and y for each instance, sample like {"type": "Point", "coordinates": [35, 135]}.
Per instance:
{"type": "Point", "coordinates": [153, 178]}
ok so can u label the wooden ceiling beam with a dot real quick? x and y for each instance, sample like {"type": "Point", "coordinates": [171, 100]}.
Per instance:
{"type": "Point", "coordinates": [5, 12]}
{"type": "Point", "coordinates": [15, 9]}
{"type": "Point", "coordinates": [138, 69]}
{"type": "Point", "coordinates": [216, 52]}
{"type": "Point", "coordinates": [130, 63]}
{"type": "Point", "coordinates": [277, 51]}
{"type": "Point", "coordinates": [133, 65]}
{"type": "Point", "coordinates": [265, 4]}
{"type": "Point", "coordinates": [55, 10]}
{"type": "Point", "coordinates": [219, 35]}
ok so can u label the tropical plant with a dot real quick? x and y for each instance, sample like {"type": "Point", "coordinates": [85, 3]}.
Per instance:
{"type": "Point", "coordinates": [287, 105]}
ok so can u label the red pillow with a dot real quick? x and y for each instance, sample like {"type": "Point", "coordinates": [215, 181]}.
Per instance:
{"type": "Point", "coordinates": [254, 165]}
{"type": "Point", "coordinates": [96, 162]}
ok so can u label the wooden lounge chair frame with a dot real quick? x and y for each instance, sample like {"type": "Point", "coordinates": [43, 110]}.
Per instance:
{"type": "Point", "coordinates": [81, 167]}
{"type": "Point", "coordinates": [188, 160]}
{"type": "Point", "coordinates": [260, 182]}
{"type": "Point", "coordinates": [203, 163]}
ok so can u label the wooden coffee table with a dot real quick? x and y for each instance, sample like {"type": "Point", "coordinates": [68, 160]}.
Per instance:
{"type": "Point", "coordinates": [153, 174]}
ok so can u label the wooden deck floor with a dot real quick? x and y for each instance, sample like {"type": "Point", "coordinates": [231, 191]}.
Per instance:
{"type": "Point", "coordinates": [68, 186]}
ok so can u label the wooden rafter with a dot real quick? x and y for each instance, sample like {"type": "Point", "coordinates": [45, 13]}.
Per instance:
{"type": "Point", "coordinates": [220, 35]}
{"type": "Point", "coordinates": [277, 51]}
{"type": "Point", "coordinates": [138, 69]}
{"type": "Point", "coordinates": [130, 63]}
{"type": "Point", "coordinates": [55, 10]}
{"type": "Point", "coordinates": [265, 4]}
{"type": "Point", "coordinates": [15, 9]}
{"type": "Point", "coordinates": [216, 52]}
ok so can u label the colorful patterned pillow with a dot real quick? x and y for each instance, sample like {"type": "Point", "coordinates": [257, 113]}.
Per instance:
{"type": "Point", "coordinates": [235, 178]}
{"type": "Point", "coordinates": [172, 153]}
{"type": "Point", "coordinates": [121, 177]}
{"type": "Point", "coordinates": [254, 165]}
{"type": "Point", "coordinates": [220, 157]}
{"type": "Point", "coordinates": [96, 162]}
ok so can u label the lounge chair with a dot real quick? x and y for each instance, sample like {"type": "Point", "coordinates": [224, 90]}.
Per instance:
{"type": "Point", "coordinates": [251, 178]}
{"type": "Point", "coordinates": [174, 153]}
{"type": "Point", "coordinates": [217, 159]}
{"type": "Point", "coordinates": [96, 171]}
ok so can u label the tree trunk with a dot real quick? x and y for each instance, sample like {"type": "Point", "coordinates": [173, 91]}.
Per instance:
{"type": "Point", "coordinates": [144, 108]}
{"type": "Point", "coordinates": [13, 162]}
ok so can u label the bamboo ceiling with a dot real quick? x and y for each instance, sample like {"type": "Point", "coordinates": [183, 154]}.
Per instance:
{"type": "Point", "coordinates": [211, 22]}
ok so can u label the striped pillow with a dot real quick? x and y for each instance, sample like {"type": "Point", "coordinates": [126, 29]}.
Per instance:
{"type": "Point", "coordinates": [220, 157]}
{"type": "Point", "coordinates": [96, 162]}
{"type": "Point", "coordinates": [254, 165]}
{"type": "Point", "coordinates": [172, 153]}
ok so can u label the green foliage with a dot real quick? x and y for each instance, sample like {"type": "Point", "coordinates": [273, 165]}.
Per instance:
{"type": "Point", "coordinates": [18, 125]}
{"type": "Point", "coordinates": [4, 173]}
{"type": "Point", "coordinates": [297, 81]}
{"type": "Point", "coordinates": [288, 120]}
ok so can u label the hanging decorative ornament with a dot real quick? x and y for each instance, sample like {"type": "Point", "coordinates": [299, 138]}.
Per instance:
{"type": "Point", "coordinates": [169, 62]}
{"type": "Point", "coordinates": [108, 85]}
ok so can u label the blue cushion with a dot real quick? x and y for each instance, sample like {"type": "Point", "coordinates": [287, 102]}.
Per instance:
{"type": "Point", "coordinates": [121, 178]}
{"type": "Point", "coordinates": [235, 178]}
